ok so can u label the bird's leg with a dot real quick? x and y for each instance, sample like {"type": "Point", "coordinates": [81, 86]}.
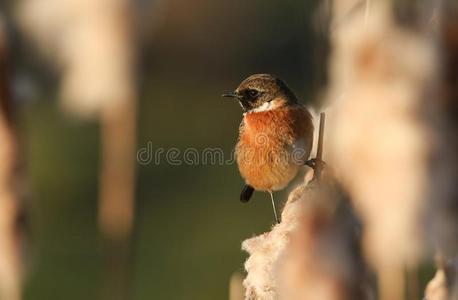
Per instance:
{"type": "Point", "coordinates": [273, 206]}
{"type": "Point", "coordinates": [246, 193]}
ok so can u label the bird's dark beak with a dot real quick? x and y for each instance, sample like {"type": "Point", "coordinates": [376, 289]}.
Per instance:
{"type": "Point", "coordinates": [230, 95]}
{"type": "Point", "coordinates": [234, 95]}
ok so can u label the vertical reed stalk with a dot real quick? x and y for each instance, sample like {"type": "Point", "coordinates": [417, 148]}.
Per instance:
{"type": "Point", "coordinates": [10, 260]}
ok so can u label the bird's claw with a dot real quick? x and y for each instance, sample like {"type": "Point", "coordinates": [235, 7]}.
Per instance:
{"type": "Point", "coordinates": [315, 163]}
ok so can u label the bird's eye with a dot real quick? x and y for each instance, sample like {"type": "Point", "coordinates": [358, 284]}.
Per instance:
{"type": "Point", "coordinates": [253, 93]}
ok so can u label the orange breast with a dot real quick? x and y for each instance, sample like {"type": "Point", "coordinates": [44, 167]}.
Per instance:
{"type": "Point", "coordinates": [273, 145]}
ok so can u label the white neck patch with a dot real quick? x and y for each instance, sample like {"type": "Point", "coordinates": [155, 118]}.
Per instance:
{"type": "Point", "coordinates": [266, 106]}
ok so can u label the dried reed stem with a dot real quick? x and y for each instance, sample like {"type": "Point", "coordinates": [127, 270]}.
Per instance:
{"type": "Point", "coordinates": [116, 206]}
{"type": "Point", "coordinates": [319, 152]}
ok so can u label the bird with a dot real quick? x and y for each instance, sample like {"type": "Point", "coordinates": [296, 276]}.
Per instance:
{"type": "Point", "coordinates": [275, 135]}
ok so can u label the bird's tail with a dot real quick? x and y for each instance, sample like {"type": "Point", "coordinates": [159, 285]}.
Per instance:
{"type": "Point", "coordinates": [246, 193]}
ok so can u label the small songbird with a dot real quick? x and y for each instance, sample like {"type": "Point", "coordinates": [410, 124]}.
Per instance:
{"type": "Point", "coordinates": [276, 135]}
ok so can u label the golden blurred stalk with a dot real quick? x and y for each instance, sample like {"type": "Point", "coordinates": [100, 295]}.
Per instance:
{"type": "Point", "coordinates": [10, 260]}
{"type": "Point", "coordinates": [117, 175]}
{"type": "Point", "coordinates": [236, 289]}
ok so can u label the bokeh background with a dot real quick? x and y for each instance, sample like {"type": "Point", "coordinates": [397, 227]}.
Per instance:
{"type": "Point", "coordinates": [188, 222]}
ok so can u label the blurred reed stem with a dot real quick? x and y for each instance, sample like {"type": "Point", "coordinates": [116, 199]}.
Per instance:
{"type": "Point", "coordinates": [117, 177]}
{"type": "Point", "coordinates": [10, 235]}
{"type": "Point", "coordinates": [116, 210]}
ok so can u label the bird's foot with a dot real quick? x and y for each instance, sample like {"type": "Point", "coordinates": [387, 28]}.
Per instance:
{"type": "Point", "coordinates": [317, 165]}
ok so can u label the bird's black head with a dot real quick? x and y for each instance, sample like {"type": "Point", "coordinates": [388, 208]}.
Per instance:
{"type": "Point", "coordinates": [262, 92]}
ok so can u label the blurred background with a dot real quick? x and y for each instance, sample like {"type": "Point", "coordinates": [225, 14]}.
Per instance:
{"type": "Point", "coordinates": [180, 226]}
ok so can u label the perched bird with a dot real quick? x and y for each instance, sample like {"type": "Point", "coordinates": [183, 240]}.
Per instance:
{"type": "Point", "coordinates": [276, 135]}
